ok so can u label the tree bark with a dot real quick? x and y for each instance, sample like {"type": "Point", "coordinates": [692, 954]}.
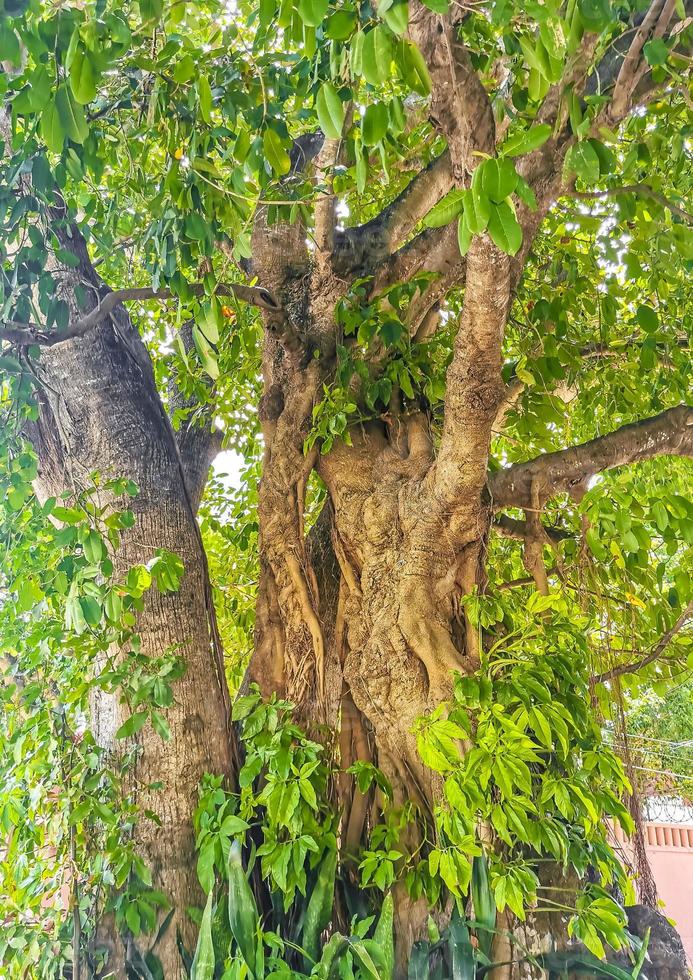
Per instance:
{"type": "Point", "coordinates": [100, 411]}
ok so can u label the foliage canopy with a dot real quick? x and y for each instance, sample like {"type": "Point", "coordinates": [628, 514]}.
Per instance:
{"type": "Point", "coordinates": [396, 203]}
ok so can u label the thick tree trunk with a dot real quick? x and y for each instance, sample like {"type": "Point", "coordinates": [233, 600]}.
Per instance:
{"type": "Point", "coordinates": [100, 411]}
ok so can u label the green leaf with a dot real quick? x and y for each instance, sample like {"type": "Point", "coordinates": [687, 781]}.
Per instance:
{"type": "Point", "coordinates": [330, 110]}
{"type": "Point", "coordinates": [504, 228]}
{"type": "Point", "coordinates": [233, 825]}
{"type": "Point", "coordinates": [91, 610]}
{"type": "Point", "coordinates": [498, 179]}
{"type": "Point", "coordinates": [312, 12]}
{"type": "Point", "coordinates": [205, 865]}
{"type": "Point", "coordinates": [418, 961]}
{"type": "Point", "coordinates": [384, 936]}
{"type": "Point", "coordinates": [275, 152]}
{"type": "Point", "coordinates": [583, 160]}
{"type": "Point", "coordinates": [340, 25]}
{"type": "Point", "coordinates": [9, 365]}
{"type": "Point", "coordinates": [462, 956]}
{"type": "Point", "coordinates": [647, 318]}
{"type": "Point", "coordinates": [132, 725]}
{"type": "Point", "coordinates": [374, 123]}
{"type": "Point", "coordinates": [484, 903]}
{"type": "Point", "coordinates": [553, 38]}
{"type": "Point", "coordinates": [185, 70]}
{"type": "Point", "coordinates": [438, 6]}
{"type": "Point", "coordinates": [10, 49]}
{"type": "Point", "coordinates": [377, 54]}
{"type": "Point", "coordinates": [82, 80]}
{"type": "Point", "coordinates": [132, 917]}
{"type": "Point", "coordinates": [526, 141]}
{"type": "Point", "coordinates": [204, 961]}
{"type": "Point", "coordinates": [477, 210]}
{"type": "Point", "coordinates": [446, 210]}
{"type": "Point", "coordinates": [151, 10]}
{"type": "Point", "coordinates": [319, 909]}
{"type": "Point", "coordinates": [413, 67]}
{"type": "Point", "coordinates": [656, 51]}
{"type": "Point", "coordinates": [391, 331]}
{"type": "Point", "coordinates": [595, 14]}
{"type": "Point", "coordinates": [361, 168]}
{"type": "Point", "coordinates": [51, 128]}
{"type": "Point", "coordinates": [396, 16]}
{"type": "Point", "coordinates": [204, 98]}
{"type": "Point", "coordinates": [243, 915]}
{"type": "Point", "coordinates": [161, 726]}
{"type": "Point", "coordinates": [207, 356]}
{"type": "Point", "coordinates": [360, 951]}
{"type": "Point", "coordinates": [464, 235]}
{"type": "Point", "coordinates": [72, 116]}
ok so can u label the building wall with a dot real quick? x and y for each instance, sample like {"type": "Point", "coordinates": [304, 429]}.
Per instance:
{"type": "Point", "coordinates": [669, 849]}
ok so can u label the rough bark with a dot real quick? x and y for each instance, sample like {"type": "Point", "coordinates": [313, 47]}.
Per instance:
{"type": "Point", "coordinates": [100, 411]}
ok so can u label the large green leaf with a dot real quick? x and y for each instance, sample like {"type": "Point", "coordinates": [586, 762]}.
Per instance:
{"type": "Point", "coordinates": [419, 961]}
{"type": "Point", "coordinates": [71, 114]}
{"type": "Point", "coordinates": [462, 958]}
{"type": "Point", "coordinates": [52, 129]}
{"type": "Point", "coordinates": [384, 936]}
{"type": "Point", "coordinates": [527, 140]}
{"type": "Point", "coordinates": [330, 110]}
{"type": "Point", "coordinates": [496, 179]}
{"type": "Point", "coordinates": [275, 152]}
{"type": "Point", "coordinates": [82, 77]}
{"type": "Point", "coordinates": [413, 67]}
{"type": "Point", "coordinates": [204, 960]}
{"type": "Point", "coordinates": [377, 54]}
{"type": "Point", "coordinates": [484, 903]}
{"type": "Point", "coordinates": [243, 914]}
{"type": "Point", "coordinates": [312, 12]}
{"type": "Point", "coordinates": [374, 123]}
{"type": "Point", "coordinates": [504, 229]}
{"type": "Point", "coordinates": [446, 210]}
{"type": "Point", "coordinates": [319, 909]}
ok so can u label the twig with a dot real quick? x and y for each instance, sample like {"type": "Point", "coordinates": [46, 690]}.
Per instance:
{"type": "Point", "coordinates": [654, 654]}
{"type": "Point", "coordinates": [644, 190]}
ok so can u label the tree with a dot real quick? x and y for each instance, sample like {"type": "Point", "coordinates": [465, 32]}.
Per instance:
{"type": "Point", "coordinates": [449, 244]}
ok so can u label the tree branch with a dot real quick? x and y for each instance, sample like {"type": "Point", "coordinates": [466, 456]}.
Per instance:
{"type": "Point", "coordinates": [28, 334]}
{"type": "Point", "coordinates": [654, 25]}
{"type": "Point", "coordinates": [460, 109]}
{"type": "Point", "coordinates": [474, 387]}
{"type": "Point", "coordinates": [509, 527]}
{"type": "Point", "coordinates": [568, 470]}
{"type": "Point", "coordinates": [366, 246]}
{"type": "Point", "coordinates": [644, 190]}
{"type": "Point", "coordinates": [654, 654]}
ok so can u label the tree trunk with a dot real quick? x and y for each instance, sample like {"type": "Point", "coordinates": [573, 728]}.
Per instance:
{"type": "Point", "coordinates": [100, 411]}
{"type": "Point", "coordinates": [364, 660]}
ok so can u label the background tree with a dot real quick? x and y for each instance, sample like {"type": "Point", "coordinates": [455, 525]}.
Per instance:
{"type": "Point", "coordinates": [449, 246]}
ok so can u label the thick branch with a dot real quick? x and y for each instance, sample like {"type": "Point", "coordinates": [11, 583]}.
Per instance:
{"type": "Point", "coordinates": [474, 384]}
{"type": "Point", "coordinates": [432, 250]}
{"type": "Point", "coordinates": [654, 654]}
{"type": "Point", "coordinates": [460, 108]}
{"type": "Point", "coordinates": [667, 434]}
{"type": "Point", "coordinates": [654, 25]}
{"type": "Point", "coordinates": [366, 246]}
{"type": "Point", "coordinates": [28, 334]}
